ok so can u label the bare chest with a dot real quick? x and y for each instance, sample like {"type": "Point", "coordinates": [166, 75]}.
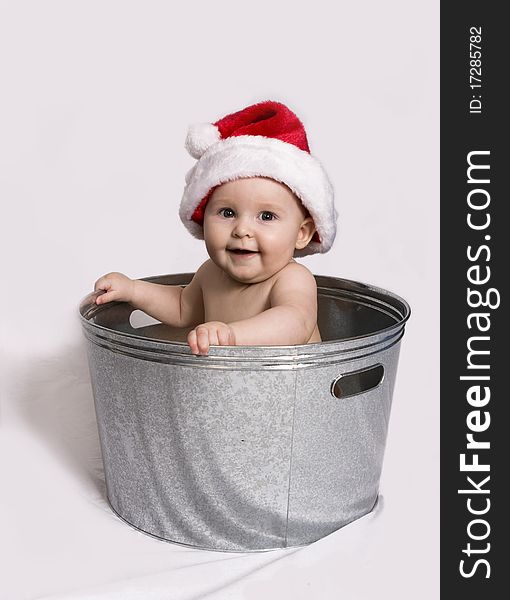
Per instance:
{"type": "Point", "coordinates": [228, 303]}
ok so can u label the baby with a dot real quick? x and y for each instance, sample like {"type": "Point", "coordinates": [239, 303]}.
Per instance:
{"type": "Point", "coordinates": [258, 198]}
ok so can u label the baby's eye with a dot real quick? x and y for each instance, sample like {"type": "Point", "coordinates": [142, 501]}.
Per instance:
{"type": "Point", "coordinates": [266, 215]}
{"type": "Point", "coordinates": [228, 213]}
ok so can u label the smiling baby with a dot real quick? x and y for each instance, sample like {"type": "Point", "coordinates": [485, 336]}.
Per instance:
{"type": "Point", "coordinates": [258, 199]}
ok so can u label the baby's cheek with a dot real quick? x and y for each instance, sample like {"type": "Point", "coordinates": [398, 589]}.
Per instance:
{"type": "Point", "coordinates": [281, 247]}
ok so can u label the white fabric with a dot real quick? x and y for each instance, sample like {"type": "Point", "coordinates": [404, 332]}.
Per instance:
{"type": "Point", "coordinates": [200, 137]}
{"type": "Point", "coordinates": [61, 541]}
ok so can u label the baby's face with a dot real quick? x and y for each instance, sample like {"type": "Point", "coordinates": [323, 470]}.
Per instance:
{"type": "Point", "coordinates": [252, 227]}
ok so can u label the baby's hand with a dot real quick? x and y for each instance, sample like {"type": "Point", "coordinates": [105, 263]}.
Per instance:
{"type": "Point", "coordinates": [117, 287]}
{"type": "Point", "coordinates": [213, 333]}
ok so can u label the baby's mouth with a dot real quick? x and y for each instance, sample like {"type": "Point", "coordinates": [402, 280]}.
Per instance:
{"type": "Point", "coordinates": [241, 251]}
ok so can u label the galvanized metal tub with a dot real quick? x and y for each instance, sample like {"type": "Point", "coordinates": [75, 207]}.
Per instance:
{"type": "Point", "coordinates": [251, 447]}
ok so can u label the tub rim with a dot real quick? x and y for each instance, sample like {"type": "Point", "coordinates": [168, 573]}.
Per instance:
{"type": "Point", "coordinates": [353, 289]}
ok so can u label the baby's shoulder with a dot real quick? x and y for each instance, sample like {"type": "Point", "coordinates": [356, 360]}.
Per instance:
{"type": "Point", "coordinates": [295, 276]}
{"type": "Point", "coordinates": [206, 271]}
{"type": "Point", "coordinates": [295, 270]}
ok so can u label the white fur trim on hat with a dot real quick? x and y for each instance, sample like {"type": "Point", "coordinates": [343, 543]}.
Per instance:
{"type": "Point", "coordinates": [200, 137]}
{"type": "Point", "coordinates": [252, 156]}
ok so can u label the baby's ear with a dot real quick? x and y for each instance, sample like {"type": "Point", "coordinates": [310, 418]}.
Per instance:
{"type": "Point", "coordinates": [305, 233]}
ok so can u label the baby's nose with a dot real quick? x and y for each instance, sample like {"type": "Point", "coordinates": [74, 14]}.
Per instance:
{"type": "Point", "coordinates": [243, 227]}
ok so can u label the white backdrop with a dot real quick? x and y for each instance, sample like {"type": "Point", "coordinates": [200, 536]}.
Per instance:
{"type": "Point", "coordinates": [96, 99]}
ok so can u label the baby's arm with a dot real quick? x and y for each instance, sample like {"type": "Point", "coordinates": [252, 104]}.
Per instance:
{"type": "Point", "coordinates": [293, 314]}
{"type": "Point", "coordinates": [290, 320]}
{"type": "Point", "coordinates": [173, 305]}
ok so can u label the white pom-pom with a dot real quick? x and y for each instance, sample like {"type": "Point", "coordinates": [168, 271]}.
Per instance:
{"type": "Point", "coordinates": [200, 137]}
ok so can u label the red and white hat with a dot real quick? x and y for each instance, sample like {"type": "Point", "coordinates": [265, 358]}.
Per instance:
{"type": "Point", "coordinates": [263, 140]}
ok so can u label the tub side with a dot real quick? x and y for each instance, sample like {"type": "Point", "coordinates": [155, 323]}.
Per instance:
{"type": "Point", "coordinates": [338, 447]}
{"type": "Point", "coordinates": [198, 457]}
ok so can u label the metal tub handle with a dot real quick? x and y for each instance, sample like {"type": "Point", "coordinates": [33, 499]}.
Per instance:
{"type": "Point", "coordinates": [357, 382]}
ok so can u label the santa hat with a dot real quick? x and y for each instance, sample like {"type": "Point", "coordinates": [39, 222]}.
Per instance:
{"type": "Point", "coordinates": [263, 140]}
